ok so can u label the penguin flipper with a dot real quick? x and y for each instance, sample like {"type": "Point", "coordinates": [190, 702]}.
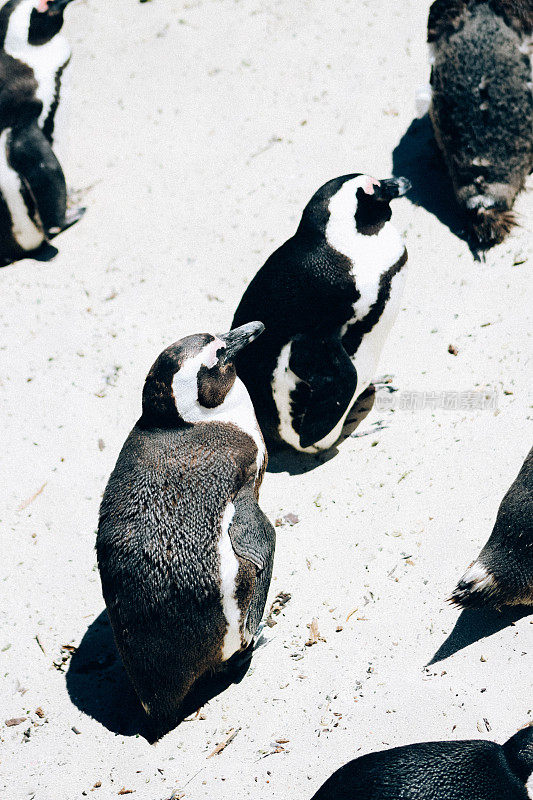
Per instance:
{"type": "Point", "coordinates": [325, 366]}
{"type": "Point", "coordinates": [253, 538]}
{"type": "Point", "coordinates": [31, 155]}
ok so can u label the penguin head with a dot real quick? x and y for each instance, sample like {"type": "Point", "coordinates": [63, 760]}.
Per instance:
{"type": "Point", "coordinates": [46, 20]}
{"type": "Point", "coordinates": [359, 202]}
{"type": "Point", "coordinates": [31, 22]}
{"type": "Point", "coordinates": [194, 380]}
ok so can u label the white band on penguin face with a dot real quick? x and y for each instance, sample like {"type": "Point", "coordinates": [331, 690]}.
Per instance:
{"type": "Point", "coordinates": [185, 381]}
{"type": "Point", "coordinates": [209, 352]}
{"type": "Point", "coordinates": [236, 407]}
{"type": "Point", "coordinates": [343, 204]}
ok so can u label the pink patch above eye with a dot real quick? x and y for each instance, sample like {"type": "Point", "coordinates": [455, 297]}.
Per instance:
{"type": "Point", "coordinates": [368, 186]}
{"type": "Point", "coordinates": [43, 5]}
{"type": "Point", "coordinates": [210, 352]}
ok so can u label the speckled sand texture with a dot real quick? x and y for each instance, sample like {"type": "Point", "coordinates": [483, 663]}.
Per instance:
{"type": "Point", "coordinates": [199, 132]}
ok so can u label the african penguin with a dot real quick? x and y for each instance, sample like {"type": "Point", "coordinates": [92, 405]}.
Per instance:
{"type": "Point", "coordinates": [464, 770]}
{"type": "Point", "coordinates": [328, 298]}
{"type": "Point", "coordinates": [33, 194]}
{"type": "Point", "coordinates": [184, 551]}
{"type": "Point", "coordinates": [30, 32]}
{"type": "Point", "coordinates": [482, 106]}
{"type": "Point", "coordinates": [503, 572]}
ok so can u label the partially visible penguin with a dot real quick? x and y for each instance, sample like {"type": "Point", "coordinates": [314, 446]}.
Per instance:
{"type": "Point", "coordinates": [30, 32]}
{"type": "Point", "coordinates": [464, 770]}
{"type": "Point", "coordinates": [503, 572]}
{"type": "Point", "coordinates": [33, 193]}
{"type": "Point", "coordinates": [482, 106]}
{"type": "Point", "coordinates": [184, 551]}
{"type": "Point", "coordinates": [328, 298]}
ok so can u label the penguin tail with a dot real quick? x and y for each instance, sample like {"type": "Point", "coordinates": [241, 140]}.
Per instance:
{"type": "Point", "coordinates": [478, 587]}
{"type": "Point", "coordinates": [491, 225]}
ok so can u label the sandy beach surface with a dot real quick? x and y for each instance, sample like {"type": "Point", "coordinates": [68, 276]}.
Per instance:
{"type": "Point", "coordinates": [199, 131]}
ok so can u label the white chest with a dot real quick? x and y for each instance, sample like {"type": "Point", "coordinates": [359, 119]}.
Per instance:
{"type": "Point", "coordinates": [24, 230]}
{"type": "Point", "coordinates": [45, 60]}
{"type": "Point", "coordinates": [367, 356]}
{"type": "Point", "coordinates": [370, 257]}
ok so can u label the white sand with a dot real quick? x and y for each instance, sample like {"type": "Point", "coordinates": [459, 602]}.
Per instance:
{"type": "Point", "coordinates": [188, 123]}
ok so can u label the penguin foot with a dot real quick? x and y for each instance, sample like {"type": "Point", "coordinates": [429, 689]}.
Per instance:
{"type": "Point", "coordinates": [239, 660]}
{"type": "Point", "coordinates": [72, 216]}
{"type": "Point", "coordinates": [360, 409]}
{"type": "Point", "coordinates": [375, 427]}
{"type": "Point", "coordinates": [477, 588]}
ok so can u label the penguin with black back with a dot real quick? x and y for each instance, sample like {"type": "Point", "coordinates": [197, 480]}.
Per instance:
{"type": "Point", "coordinates": [33, 192]}
{"type": "Point", "coordinates": [328, 298]}
{"type": "Point", "coordinates": [184, 551]}
{"type": "Point", "coordinates": [464, 770]}
{"type": "Point", "coordinates": [502, 574]}
{"type": "Point", "coordinates": [482, 107]}
{"type": "Point", "coordinates": [30, 31]}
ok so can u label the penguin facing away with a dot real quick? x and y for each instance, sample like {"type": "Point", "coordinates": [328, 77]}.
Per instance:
{"type": "Point", "coordinates": [184, 551]}
{"type": "Point", "coordinates": [30, 32]}
{"type": "Point", "coordinates": [463, 770]}
{"type": "Point", "coordinates": [482, 106]}
{"type": "Point", "coordinates": [503, 572]}
{"type": "Point", "coordinates": [328, 298]}
{"type": "Point", "coordinates": [33, 193]}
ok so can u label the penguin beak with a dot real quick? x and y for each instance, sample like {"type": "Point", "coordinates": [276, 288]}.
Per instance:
{"type": "Point", "coordinates": [238, 338]}
{"type": "Point", "coordinates": [390, 188]}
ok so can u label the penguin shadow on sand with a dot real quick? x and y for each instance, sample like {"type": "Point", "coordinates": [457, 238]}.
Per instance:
{"type": "Point", "coordinates": [99, 686]}
{"type": "Point", "coordinates": [475, 624]}
{"type": "Point", "coordinates": [286, 459]}
{"type": "Point", "coordinates": [418, 158]}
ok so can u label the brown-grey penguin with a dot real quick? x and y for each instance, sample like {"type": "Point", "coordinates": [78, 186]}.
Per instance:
{"type": "Point", "coordinates": [184, 551]}
{"type": "Point", "coordinates": [328, 298]}
{"type": "Point", "coordinates": [482, 106]}
{"type": "Point", "coordinates": [463, 770]}
{"type": "Point", "coordinates": [503, 572]}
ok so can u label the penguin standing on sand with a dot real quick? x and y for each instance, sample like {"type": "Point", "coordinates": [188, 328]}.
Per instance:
{"type": "Point", "coordinates": [482, 106]}
{"type": "Point", "coordinates": [184, 551]}
{"type": "Point", "coordinates": [328, 298]}
{"type": "Point", "coordinates": [30, 32]}
{"type": "Point", "coordinates": [33, 192]}
{"type": "Point", "coordinates": [503, 572]}
{"type": "Point", "coordinates": [464, 770]}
